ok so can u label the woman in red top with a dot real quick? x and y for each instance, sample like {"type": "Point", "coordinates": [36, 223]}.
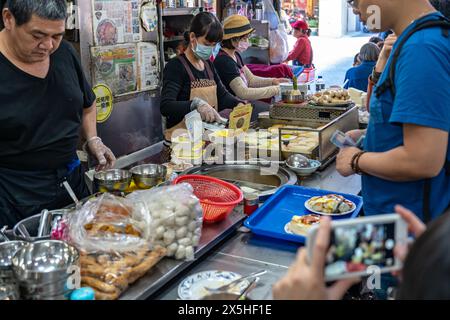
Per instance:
{"type": "Point", "coordinates": [302, 54]}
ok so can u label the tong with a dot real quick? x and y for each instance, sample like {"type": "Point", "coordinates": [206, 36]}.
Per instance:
{"type": "Point", "coordinates": [233, 283]}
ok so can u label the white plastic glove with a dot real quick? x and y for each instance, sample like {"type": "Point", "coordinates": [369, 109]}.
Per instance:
{"type": "Point", "coordinates": [102, 153]}
{"type": "Point", "coordinates": [208, 113]}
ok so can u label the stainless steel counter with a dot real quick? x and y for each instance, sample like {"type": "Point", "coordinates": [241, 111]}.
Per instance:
{"type": "Point", "coordinates": [239, 251]}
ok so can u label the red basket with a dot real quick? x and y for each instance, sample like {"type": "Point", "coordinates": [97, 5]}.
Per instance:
{"type": "Point", "coordinates": [218, 198]}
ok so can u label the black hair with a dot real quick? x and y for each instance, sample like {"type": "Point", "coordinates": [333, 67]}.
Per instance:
{"type": "Point", "coordinates": [356, 60]}
{"type": "Point", "coordinates": [369, 52]}
{"type": "Point", "coordinates": [426, 273]}
{"type": "Point", "coordinates": [23, 10]}
{"type": "Point", "coordinates": [442, 6]}
{"type": "Point", "coordinates": [205, 24]}
{"type": "Point", "coordinates": [2, 5]}
{"type": "Point", "coordinates": [375, 39]}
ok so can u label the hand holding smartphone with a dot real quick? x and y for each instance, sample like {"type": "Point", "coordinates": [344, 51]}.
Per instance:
{"type": "Point", "coordinates": [358, 245]}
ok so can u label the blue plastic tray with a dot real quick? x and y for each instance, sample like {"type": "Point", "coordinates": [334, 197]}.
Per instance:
{"type": "Point", "coordinates": [270, 219]}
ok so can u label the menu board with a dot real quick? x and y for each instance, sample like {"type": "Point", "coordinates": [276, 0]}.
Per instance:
{"type": "Point", "coordinates": [116, 21]}
{"type": "Point", "coordinates": [148, 66]}
{"type": "Point", "coordinates": [116, 66]}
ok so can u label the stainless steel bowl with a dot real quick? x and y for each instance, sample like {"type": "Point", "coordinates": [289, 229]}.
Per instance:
{"type": "Point", "coordinates": [112, 180]}
{"type": "Point", "coordinates": [146, 176]}
{"type": "Point", "coordinates": [32, 225]}
{"type": "Point", "coordinates": [9, 292]}
{"type": "Point", "coordinates": [48, 289]}
{"type": "Point", "coordinates": [314, 165]}
{"type": "Point", "coordinates": [44, 261]}
{"type": "Point", "coordinates": [287, 97]}
{"type": "Point", "coordinates": [7, 252]}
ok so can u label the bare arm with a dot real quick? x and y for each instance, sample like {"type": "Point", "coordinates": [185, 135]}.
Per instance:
{"type": "Point", "coordinates": [89, 122]}
{"type": "Point", "coordinates": [421, 156]}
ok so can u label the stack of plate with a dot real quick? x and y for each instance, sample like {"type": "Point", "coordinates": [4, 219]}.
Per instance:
{"type": "Point", "coordinates": [9, 289]}
{"type": "Point", "coordinates": [46, 270]}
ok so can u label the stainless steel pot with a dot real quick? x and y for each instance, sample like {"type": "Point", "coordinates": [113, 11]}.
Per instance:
{"type": "Point", "coordinates": [32, 225]}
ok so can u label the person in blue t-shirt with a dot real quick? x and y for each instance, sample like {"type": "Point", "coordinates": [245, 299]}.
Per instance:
{"type": "Point", "coordinates": [358, 77]}
{"type": "Point", "coordinates": [406, 155]}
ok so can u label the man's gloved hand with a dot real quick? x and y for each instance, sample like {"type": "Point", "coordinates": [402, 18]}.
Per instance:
{"type": "Point", "coordinates": [102, 153]}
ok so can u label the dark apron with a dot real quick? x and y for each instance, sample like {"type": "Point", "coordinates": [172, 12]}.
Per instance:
{"type": "Point", "coordinates": [25, 193]}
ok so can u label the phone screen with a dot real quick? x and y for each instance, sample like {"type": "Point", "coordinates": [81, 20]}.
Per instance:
{"type": "Point", "coordinates": [354, 248]}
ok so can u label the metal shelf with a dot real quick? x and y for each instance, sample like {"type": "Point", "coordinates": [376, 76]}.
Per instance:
{"type": "Point", "coordinates": [172, 39]}
{"type": "Point", "coordinates": [169, 12]}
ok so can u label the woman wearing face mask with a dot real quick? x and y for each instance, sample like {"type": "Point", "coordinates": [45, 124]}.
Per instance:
{"type": "Point", "coordinates": [190, 81]}
{"type": "Point", "coordinates": [236, 77]}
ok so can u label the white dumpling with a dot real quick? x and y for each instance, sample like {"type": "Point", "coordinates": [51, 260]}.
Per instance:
{"type": "Point", "coordinates": [169, 237]}
{"type": "Point", "coordinates": [185, 242]}
{"type": "Point", "coordinates": [181, 252]}
{"type": "Point", "coordinates": [180, 222]}
{"type": "Point", "coordinates": [190, 255]}
{"type": "Point", "coordinates": [172, 249]}
{"type": "Point", "coordinates": [181, 233]}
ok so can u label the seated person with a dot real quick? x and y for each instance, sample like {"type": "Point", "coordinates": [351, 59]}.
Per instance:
{"type": "Point", "coordinates": [302, 54]}
{"type": "Point", "coordinates": [358, 77]}
{"type": "Point", "coordinates": [190, 81]}
{"type": "Point", "coordinates": [356, 60]}
{"type": "Point", "coordinates": [235, 75]}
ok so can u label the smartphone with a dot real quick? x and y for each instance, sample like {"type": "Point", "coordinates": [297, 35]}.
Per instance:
{"type": "Point", "coordinates": [341, 140]}
{"type": "Point", "coordinates": [361, 246]}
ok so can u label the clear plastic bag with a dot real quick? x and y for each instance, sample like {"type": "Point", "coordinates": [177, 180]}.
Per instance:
{"type": "Point", "coordinates": [279, 47]}
{"type": "Point", "coordinates": [177, 218]}
{"type": "Point", "coordinates": [110, 223]}
{"type": "Point", "coordinates": [114, 237]}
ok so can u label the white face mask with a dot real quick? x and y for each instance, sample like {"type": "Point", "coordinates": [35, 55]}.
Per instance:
{"type": "Point", "coordinates": [243, 45]}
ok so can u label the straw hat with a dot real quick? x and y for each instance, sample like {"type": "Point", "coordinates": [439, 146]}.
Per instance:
{"type": "Point", "coordinates": [236, 26]}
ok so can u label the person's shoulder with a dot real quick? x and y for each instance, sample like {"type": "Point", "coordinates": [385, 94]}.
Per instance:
{"type": "Point", "coordinates": [222, 60]}
{"type": "Point", "coordinates": [66, 48]}
{"type": "Point", "coordinates": [174, 64]}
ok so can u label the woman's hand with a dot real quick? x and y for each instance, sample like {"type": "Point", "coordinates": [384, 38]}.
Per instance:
{"type": "Point", "coordinates": [415, 227]}
{"type": "Point", "coordinates": [277, 81]}
{"type": "Point", "coordinates": [208, 113]}
{"type": "Point", "coordinates": [306, 281]}
{"type": "Point", "coordinates": [344, 161]}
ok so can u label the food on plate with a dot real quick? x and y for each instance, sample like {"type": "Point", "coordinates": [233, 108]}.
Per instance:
{"type": "Point", "coordinates": [330, 97]}
{"type": "Point", "coordinates": [300, 225]}
{"type": "Point", "coordinates": [331, 203]}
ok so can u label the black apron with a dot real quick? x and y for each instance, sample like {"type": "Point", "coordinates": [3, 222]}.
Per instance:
{"type": "Point", "coordinates": [25, 193]}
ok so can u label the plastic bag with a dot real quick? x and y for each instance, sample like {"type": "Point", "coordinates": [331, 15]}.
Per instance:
{"type": "Point", "coordinates": [177, 218]}
{"type": "Point", "coordinates": [114, 238]}
{"type": "Point", "coordinates": [279, 47]}
{"type": "Point", "coordinates": [110, 223]}
{"type": "Point", "coordinates": [271, 15]}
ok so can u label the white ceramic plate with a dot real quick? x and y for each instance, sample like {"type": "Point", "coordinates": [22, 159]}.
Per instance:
{"type": "Point", "coordinates": [308, 207]}
{"type": "Point", "coordinates": [193, 287]}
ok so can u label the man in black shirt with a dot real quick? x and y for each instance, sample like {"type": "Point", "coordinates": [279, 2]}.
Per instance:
{"type": "Point", "coordinates": [44, 102]}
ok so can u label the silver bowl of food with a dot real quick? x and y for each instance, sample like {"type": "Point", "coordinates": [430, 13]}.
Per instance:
{"type": "Point", "coordinates": [32, 225]}
{"type": "Point", "coordinates": [58, 287]}
{"type": "Point", "coordinates": [112, 180]}
{"type": "Point", "coordinates": [45, 261]}
{"type": "Point", "coordinates": [293, 96]}
{"type": "Point", "coordinates": [146, 176]}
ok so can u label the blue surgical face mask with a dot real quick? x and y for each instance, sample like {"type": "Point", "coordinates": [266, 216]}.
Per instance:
{"type": "Point", "coordinates": [216, 50]}
{"type": "Point", "coordinates": [203, 52]}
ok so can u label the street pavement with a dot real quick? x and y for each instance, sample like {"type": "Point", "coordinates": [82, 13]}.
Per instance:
{"type": "Point", "coordinates": [334, 56]}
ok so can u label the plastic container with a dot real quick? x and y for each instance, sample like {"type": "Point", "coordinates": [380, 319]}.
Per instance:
{"type": "Point", "coordinates": [218, 198]}
{"type": "Point", "coordinates": [320, 84]}
{"type": "Point", "coordinates": [271, 218]}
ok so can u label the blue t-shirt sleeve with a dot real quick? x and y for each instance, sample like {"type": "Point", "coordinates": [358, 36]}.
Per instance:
{"type": "Point", "coordinates": [423, 87]}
